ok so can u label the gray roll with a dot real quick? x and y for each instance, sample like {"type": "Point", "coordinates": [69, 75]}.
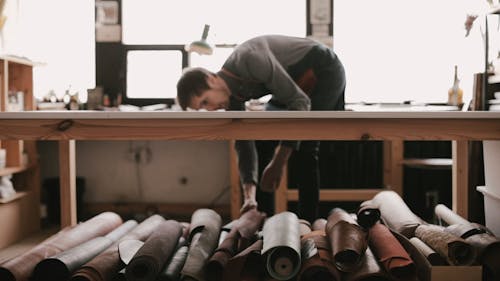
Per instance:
{"type": "Point", "coordinates": [281, 246]}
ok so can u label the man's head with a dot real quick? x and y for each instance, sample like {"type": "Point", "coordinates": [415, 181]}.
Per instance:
{"type": "Point", "coordinates": [199, 88]}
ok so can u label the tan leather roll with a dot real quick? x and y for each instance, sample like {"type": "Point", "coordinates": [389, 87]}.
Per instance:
{"type": "Point", "coordinates": [432, 257]}
{"type": "Point", "coordinates": [107, 264]}
{"type": "Point", "coordinates": [317, 266]}
{"type": "Point", "coordinates": [319, 224]}
{"type": "Point", "coordinates": [21, 267]}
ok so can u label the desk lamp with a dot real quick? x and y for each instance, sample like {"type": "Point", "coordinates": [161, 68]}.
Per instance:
{"type": "Point", "coordinates": [201, 46]}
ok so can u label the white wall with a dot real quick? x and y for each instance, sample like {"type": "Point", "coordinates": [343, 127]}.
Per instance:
{"type": "Point", "coordinates": [111, 174]}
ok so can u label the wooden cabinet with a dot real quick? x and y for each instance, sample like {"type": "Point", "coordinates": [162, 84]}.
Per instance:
{"type": "Point", "coordinates": [19, 214]}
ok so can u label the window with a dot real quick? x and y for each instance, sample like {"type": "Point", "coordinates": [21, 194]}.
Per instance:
{"type": "Point", "coordinates": [397, 50]}
{"type": "Point", "coordinates": [154, 25]}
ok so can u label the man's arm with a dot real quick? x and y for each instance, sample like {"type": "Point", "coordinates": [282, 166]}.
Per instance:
{"type": "Point", "coordinates": [272, 174]}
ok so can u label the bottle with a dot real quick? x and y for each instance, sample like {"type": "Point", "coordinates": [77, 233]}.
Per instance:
{"type": "Point", "coordinates": [455, 94]}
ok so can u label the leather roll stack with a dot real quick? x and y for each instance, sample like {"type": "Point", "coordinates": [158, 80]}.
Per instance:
{"type": "Point", "coordinates": [21, 267]}
{"type": "Point", "coordinates": [396, 214]}
{"type": "Point", "coordinates": [455, 249]}
{"type": "Point", "coordinates": [203, 237]}
{"type": "Point", "coordinates": [369, 270]}
{"type": "Point", "coordinates": [107, 264]}
{"type": "Point", "coordinates": [61, 266]}
{"type": "Point", "coordinates": [390, 253]}
{"type": "Point", "coordinates": [241, 235]}
{"type": "Point", "coordinates": [317, 258]}
{"type": "Point", "coordinates": [156, 251]}
{"type": "Point", "coordinates": [347, 253]}
{"type": "Point", "coordinates": [282, 246]}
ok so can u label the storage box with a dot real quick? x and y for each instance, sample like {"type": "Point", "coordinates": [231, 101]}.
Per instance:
{"type": "Point", "coordinates": [491, 153]}
{"type": "Point", "coordinates": [491, 209]}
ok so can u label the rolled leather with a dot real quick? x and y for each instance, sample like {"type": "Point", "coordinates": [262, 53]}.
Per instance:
{"type": "Point", "coordinates": [487, 246]}
{"type": "Point", "coordinates": [450, 217]}
{"type": "Point", "coordinates": [281, 245]}
{"type": "Point", "coordinates": [317, 258]}
{"type": "Point", "coordinates": [432, 257]}
{"type": "Point", "coordinates": [203, 235]}
{"type": "Point", "coordinates": [21, 267]}
{"type": "Point", "coordinates": [108, 263]}
{"type": "Point", "coordinates": [319, 224]}
{"type": "Point", "coordinates": [304, 227]}
{"type": "Point", "coordinates": [395, 213]}
{"type": "Point", "coordinates": [59, 267]}
{"type": "Point", "coordinates": [368, 214]}
{"type": "Point", "coordinates": [156, 251]}
{"type": "Point", "coordinates": [369, 270]}
{"type": "Point", "coordinates": [454, 249]}
{"type": "Point", "coordinates": [173, 269]}
{"type": "Point", "coordinates": [347, 253]}
{"type": "Point", "coordinates": [390, 253]}
{"type": "Point", "coordinates": [248, 265]}
{"type": "Point", "coordinates": [219, 260]}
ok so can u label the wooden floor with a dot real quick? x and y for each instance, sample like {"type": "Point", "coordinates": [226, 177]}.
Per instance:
{"type": "Point", "coordinates": [26, 244]}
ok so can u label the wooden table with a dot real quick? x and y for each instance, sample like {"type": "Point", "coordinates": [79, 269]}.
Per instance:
{"type": "Point", "coordinates": [68, 126]}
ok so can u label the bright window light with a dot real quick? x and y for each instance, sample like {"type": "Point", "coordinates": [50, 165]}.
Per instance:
{"type": "Point", "coordinates": [153, 74]}
{"type": "Point", "coordinates": [396, 50]}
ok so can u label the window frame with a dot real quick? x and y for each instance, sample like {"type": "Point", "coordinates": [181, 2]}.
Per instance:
{"type": "Point", "coordinates": [149, 101]}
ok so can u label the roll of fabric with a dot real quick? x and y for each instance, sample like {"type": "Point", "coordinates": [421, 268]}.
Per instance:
{"type": "Point", "coordinates": [59, 267]}
{"type": "Point", "coordinates": [396, 214]}
{"type": "Point", "coordinates": [487, 246]}
{"type": "Point", "coordinates": [248, 265]}
{"type": "Point", "coordinates": [281, 246]}
{"type": "Point", "coordinates": [319, 224]}
{"type": "Point", "coordinates": [369, 270]}
{"type": "Point", "coordinates": [347, 253]}
{"type": "Point", "coordinates": [368, 214]}
{"type": "Point", "coordinates": [21, 267]}
{"type": "Point", "coordinates": [173, 269]}
{"type": "Point", "coordinates": [304, 227]}
{"type": "Point", "coordinates": [204, 235]}
{"type": "Point", "coordinates": [454, 249]}
{"type": "Point", "coordinates": [390, 253]}
{"type": "Point", "coordinates": [241, 235]}
{"type": "Point", "coordinates": [317, 265]}
{"type": "Point", "coordinates": [156, 251]}
{"type": "Point", "coordinates": [450, 217]}
{"type": "Point", "coordinates": [107, 264]}
{"type": "Point", "coordinates": [431, 255]}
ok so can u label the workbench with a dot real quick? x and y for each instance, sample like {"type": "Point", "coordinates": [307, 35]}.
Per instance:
{"type": "Point", "coordinates": [68, 126]}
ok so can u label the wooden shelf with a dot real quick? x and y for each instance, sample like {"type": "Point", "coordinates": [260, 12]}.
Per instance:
{"type": "Point", "coordinates": [428, 163]}
{"type": "Point", "coordinates": [13, 198]}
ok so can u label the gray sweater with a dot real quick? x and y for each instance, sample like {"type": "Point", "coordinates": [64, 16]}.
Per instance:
{"type": "Point", "coordinates": [259, 67]}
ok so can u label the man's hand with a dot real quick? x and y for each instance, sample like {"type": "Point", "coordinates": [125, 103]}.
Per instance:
{"type": "Point", "coordinates": [249, 201]}
{"type": "Point", "coordinates": [271, 176]}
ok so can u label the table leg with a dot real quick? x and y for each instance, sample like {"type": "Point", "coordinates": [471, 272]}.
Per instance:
{"type": "Point", "coordinates": [67, 189]}
{"type": "Point", "coordinates": [460, 174]}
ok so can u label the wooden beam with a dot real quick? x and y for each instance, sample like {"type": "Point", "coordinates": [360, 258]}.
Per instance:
{"type": "Point", "coordinates": [339, 194]}
{"type": "Point", "coordinates": [235, 182]}
{"type": "Point", "coordinates": [67, 172]}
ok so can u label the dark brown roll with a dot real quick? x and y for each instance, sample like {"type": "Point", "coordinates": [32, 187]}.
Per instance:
{"type": "Point", "coordinates": [153, 255]}
{"type": "Point", "coordinates": [248, 265]}
{"type": "Point", "coordinates": [60, 266]}
{"type": "Point", "coordinates": [390, 253]}
{"type": "Point", "coordinates": [226, 250]}
{"type": "Point", "coordinates": [347, 253]}
{"type": "Point", "coordinates": [368, 214]}
{"type": "Point", "coordinates": [455, 249]}
{"type": "Point", "coordinates": [21, 267]}
{"type": "Point", "coordinates": [107, 264]}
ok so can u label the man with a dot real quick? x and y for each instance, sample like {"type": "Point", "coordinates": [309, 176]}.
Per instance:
{"type": "Point", "coordinates": [300, 74]}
